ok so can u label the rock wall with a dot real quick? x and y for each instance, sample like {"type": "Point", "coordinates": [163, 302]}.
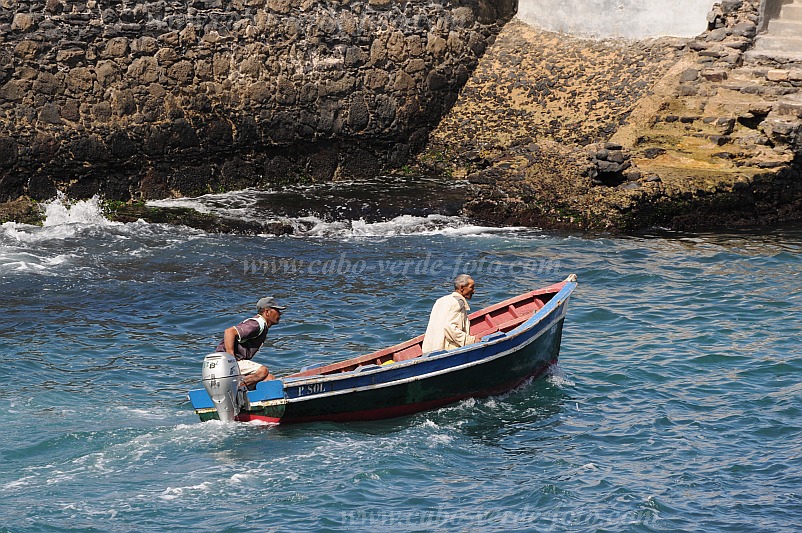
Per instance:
{"type": "Point", "coordinates": [157, 98]}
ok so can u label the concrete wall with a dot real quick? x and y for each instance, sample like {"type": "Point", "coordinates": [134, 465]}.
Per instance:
{"type": "Point", "coordinates": [632, 19]}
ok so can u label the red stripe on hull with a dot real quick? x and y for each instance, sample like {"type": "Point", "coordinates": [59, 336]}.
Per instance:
{"type": "Point", "coordinates": [259, 418]}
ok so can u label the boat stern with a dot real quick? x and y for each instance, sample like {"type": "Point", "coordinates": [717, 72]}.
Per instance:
{"type": "Point", "coordinates": [266, 403]}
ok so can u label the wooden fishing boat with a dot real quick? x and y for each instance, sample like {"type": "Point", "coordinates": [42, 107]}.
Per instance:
{"type": "Point", "coordinates": [517, 339]}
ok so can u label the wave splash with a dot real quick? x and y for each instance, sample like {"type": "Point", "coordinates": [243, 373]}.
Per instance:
{"type": "Point", "coordinates": [64, 219]}
{"type": "Point", "coordinates": [338, 210]}
{"type": "Point", "coordinates": [62, 212]}
{"type": "Point", "coordinates": [35, 249]}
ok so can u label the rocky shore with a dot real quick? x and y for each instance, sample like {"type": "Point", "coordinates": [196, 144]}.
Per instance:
{"type": "Point", "coordinates": [164, 99]}
{"type": "Point", "coordinates": [555, 131]}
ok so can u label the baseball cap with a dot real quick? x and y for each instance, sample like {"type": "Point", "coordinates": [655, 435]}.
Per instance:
{"type": "Point", "coordinates": [269, 301]}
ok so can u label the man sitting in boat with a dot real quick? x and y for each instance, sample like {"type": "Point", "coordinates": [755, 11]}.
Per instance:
{"type": "Point", "coordinates": [244, 340]}
{"type": "Point", "coordinates": [448, 323]}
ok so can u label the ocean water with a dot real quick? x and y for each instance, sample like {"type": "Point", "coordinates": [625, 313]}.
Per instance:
{"type": "Point", "coordinates": [676, 404]}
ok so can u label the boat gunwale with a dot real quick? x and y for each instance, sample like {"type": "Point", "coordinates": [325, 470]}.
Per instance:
{"type": "Point", "coordinates": [417, 377]}
{"type": "Point", "coordinates": [537, 317]}
{"type": "Point", "coordinates": [334, 369]}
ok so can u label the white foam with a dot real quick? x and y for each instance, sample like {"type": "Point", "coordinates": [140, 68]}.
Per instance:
{"type": "Point", "coordinates": [244, 205]}
{"type": "Point", "coordinates": [260, 423]}
{"type": "Point", "coordinates": [13, 234]}
{"type": "Point", "coordinates": [61, 211]}
{"type": "Point", "coordinates": [239, 478]}
{"type": "Point", "coordinates": [486, 230]}
{"type": "Point", "coordinates": [16, 260]}
{"type": "Point", "coordinates": [63, 219]}
{"type": "Point", "coordinates": [150, 414]}
{"type": "Point", "coordinates": [399, 226]}
{"type": "Point", "coordinates": [191, 203]}
{"type": "Point", "coordinates": [25, 481]}
{"type": "Point", "coordinates": [236, 204]}
{"type": "Point", "coordinates": [173, 493]}
{"type": "Point", "coordinates": [556, 376]}
{"type": "Point", "coordinates": [24, 248]}
{"type": "Point", "coordinates": [439, 439]}
{"type": "Point", "coordinates": [429, 424]}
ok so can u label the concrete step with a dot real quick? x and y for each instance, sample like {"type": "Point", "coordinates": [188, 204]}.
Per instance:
{"type": "Point", "coordinates": [792, 12]}
{"type": "Point", "coordinates": [763, 80]}
{"type": "Point", "coordinates": [772, 46]}
{"type": "Point", "coordinates": [785, 28]}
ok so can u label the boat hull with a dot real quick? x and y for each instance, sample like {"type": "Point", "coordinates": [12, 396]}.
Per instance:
{"type": "Point", "coordinates": [434, 389]}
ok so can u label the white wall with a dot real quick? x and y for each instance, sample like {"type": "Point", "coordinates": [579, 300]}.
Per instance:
{"type": "Point", "coordinates": [631, 19]}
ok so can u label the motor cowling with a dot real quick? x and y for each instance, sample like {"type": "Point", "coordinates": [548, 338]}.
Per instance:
{"type": "Point", "coordinates": [223, 381]}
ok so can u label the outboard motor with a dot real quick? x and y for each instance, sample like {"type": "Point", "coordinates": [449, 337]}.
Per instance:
{"type": "Point", "coordinates": [223, 382]}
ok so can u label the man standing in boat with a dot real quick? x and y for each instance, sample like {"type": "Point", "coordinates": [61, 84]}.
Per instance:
{"type": "Point", "coordinates": [448, 323]}
{"type": "Point", "coordinates": [244, 340]}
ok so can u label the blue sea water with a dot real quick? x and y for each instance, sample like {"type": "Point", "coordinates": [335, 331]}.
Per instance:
{"type": "Point", "coordinates": [676, 404]}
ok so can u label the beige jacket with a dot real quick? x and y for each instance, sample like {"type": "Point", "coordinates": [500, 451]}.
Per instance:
{"type": "Point", "coordinates": [448, 324]}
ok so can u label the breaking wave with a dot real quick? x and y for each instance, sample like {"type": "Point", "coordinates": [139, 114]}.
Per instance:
{"type": "Point", "coordinates": [63, 219]}
{"type": "Point", "coordinates": [310, 212]}
{"type": "Point", "coordinates": [399, 226]}
{"type": "Point", "coordinates": [350, 209]}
